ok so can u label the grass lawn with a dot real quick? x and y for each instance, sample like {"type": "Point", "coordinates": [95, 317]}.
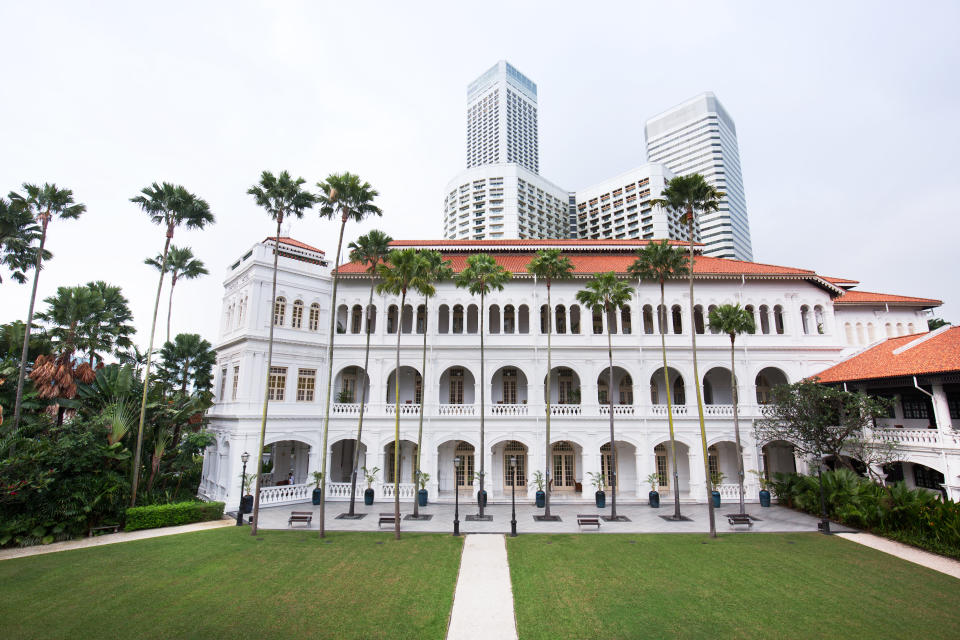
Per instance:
{"type": "Point", "coordinates": [750, 585]}
{"type": "Point", "coordinates": [224, 583]}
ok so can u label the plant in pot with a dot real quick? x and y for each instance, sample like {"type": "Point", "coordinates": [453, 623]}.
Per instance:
{"type": "Point", "coordinates": [345, 396]}
{"type": "Point", "coordinates": [481, 495]}
{"type": "Point", "coordinates": [654, 496]}
{"type": "Point", "coordinates": [422, 480]}
{"type": "Point", "coordinates": [317, 491]}
{"type": "Point", "coordinates": [371, 476]}
{"type": "Point", "coordinates": [764, 487]}
{"type": "Point", "coordinates": [246, 501]}
{"type": "Point", "coordinates": [539, 481]}
{"type": "Point", "coordinates": [716, 479]}
{"type": "Point", "coordinates": [596, 479]}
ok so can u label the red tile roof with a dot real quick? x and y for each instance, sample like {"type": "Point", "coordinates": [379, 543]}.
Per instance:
{"type": "Point", "coordinates": [842, 282]}
{"type": "Point", "coordinates": [538, 242]}
{"type": "Point", "coordinates": [919, 354]}
{"type": "Point", "coordinates": [294, 243]}
{"type": "Point", "coordinates": [871, 298]}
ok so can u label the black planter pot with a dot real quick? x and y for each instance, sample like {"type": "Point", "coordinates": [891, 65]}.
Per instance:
{"type": "Point", "coordinates": [601, 499]}
{"type": "Point", "coordinates": [246, 504]}
{"type": "Point", "coordinates": [541, 499]}
{"type": "Point", "coordinates": [764, 498]}
{"type": "Point", "coordinates": [317, 495]}
{"type": "Point", "coordinates": [654, 499]}
{"type": "Point", "coordinates": [368, 497]}
{"type": "Point", "coordinates": [715, 495]}
{"type": "Point", "coordinates": [482, 497]}
{"type": "Point", "coordinates": [422, 497]}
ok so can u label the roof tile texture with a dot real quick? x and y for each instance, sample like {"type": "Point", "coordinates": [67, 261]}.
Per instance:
{"type": "Point", "coordinates": [939, 354]}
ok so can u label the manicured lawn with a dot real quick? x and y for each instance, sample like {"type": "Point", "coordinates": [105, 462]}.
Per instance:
{"type": "Point", "coordinates": [756, 585]}
{"type": "Point", "coordinates": [226, 584]}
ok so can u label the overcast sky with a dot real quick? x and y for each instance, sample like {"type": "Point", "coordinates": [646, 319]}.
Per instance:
{"type": "Point", "coordinates": [846, 116]}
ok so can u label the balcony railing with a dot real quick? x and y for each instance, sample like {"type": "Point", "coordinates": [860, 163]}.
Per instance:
{"type": "Point", "coordinates": [909, 437]}
{"type": "Point", "coordinates": [661, 410]}
{"type": "Point", "coordinates": [618, 409]}
{"type": "Point", "coordinates": [407, 489]}
{"type": "Point", "coordinates": [566, 410]}
{"type": "Point", "coordinates": [285, 494]}
{"type": "Point", "coordinates": [456, 409]}
{"type": "Point", "coordinates": [718, 410]}
{"type": "Point", "coordinates": [405, 409]}
{"type": "Point", "coordinates": [729, 490]}
{"type": "Point", "coordinates": [348, 408]}
{"type": "Point", "coordinates": [508, 409]}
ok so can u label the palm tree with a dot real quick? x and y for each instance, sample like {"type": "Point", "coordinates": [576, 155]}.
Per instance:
{"type": "Point", "coordinates": [353, 199]}
{"type": "Point", "coordinates": [690, 195]}
{"type": "Point", "coordinates": [607, 294]}
{"type": "Point", "coordinates": [481, 276]}
{"type": "Point", "coordinates": [43, 204]}
{"type": "Point", "coordinates": [659, 261]}
{"type": "Point", "coordinates": [405, 270]}
{"type": "Point", "coordinates": [18, 232]}
{"type": "Point", "coordinates": [109, 330]}
{"type": "Point", "coordinates": [732, 319]}
{"type": "Point", "coordinates": [169, 206]}
{"type": "Point", "coordinates": [279, 196]}
{"type": "Point", "coordinates": [549, 265]}
{"type": "Point", "coordinates": [437, 269]}
{"type": "Point", "coordinates": [181, 263]}
{"type": "Point", "coordinates": [370, 250]}
{"type": "Point", "coordinates": [185, 362]}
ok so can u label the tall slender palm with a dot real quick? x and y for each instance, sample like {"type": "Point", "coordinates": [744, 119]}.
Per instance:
{"type": "Point", "coordinates": [481, 276]}
{"type": "Point", "coordinates": [549, 265]}
{"type": "Point", "coordinates": [169, 206]}
{"type": "Point", "coordinates": [659, 261]}
{"type": "Point", "coordinates": [608, 294]}
{"type": "Point", "coordinates": [691, 195]}
{"type": "Point", "coordinates": [369, 250]}
{"type": "Point", "coordinates": [342, 193]}
{"type": "Point", "coordinates": [436, 270]}
{"type": "Point", "coordinates": [280, 196]}
{"type": "Point", "coordinates": [405, 270]}
{"type": "Point", "coordinates": [181, 263]}
{"type": "Point", "coordinates": [732, 319]}
{"type": "Point", "coordinates": [19, 232]}
{"type": "Point", "coordinates": [43, 203]}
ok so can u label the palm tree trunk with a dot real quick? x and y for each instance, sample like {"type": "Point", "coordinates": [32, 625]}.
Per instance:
{"type": "Point", "coordinates": [548, 464]}
{"type": "Point", "coordinates": [396, 424]}
{"type": "Point", "coordinates": [326, 418]}
{"type": "Point", "coordinates": [613, 442]}
{"type": "Point", "coordinates": [423, 394]}
{"type": "Point", "coordinates": [666, 384]}
{"type": "Point", "coordinates": [696, 383]}
{"type": "Point", "coordinates": [482, 396]}
{"type": "Point", "coordinates": [24, 354]}
{"type": "Point", "coordinates": [363, 398]}
{"type": "Point", "coordinates": [266, 390]}
{"type": "Point", "coordinates": [173, 283]}
{"type": "Point", "coordinates": [146, 373]}
{"type": "Point", "coordinates": [736, 419]}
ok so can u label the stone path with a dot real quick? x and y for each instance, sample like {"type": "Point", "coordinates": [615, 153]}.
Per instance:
{"type": "Point", "coordinates": [112, 538]}
{"type": "Point", "coordinates": [906, 552]}
{"type": "Point", "coordinates": [483, 601]}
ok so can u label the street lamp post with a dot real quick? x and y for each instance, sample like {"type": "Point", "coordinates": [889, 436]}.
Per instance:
{"type": "Point", "coordinates": [243, 479]}
{"type": "Point", "coordinates": [513, 496]}
{"type": "Point", "coordinates": [456, 498]}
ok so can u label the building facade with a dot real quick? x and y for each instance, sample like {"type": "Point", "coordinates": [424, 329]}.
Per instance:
{"type": "Point", "coordinates": [699, 136]}
{"type": "Point", "coordinates": [502, 119]}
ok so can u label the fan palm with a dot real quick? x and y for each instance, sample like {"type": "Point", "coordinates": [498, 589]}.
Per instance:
{"type": "Point", "coordinates": [690, 196]}
{"type": "Point", "coordinates": [109, 330]}
{"type": "Point", "coordinates": [279, 196]}
{"type": "Point", "coordinates": [607, 294]}
{"type": "Point", "coordinates": [405, 270]}
{"type": "Point", "coordinates": [481, 276]}
{"type": "Point", "coordinates": [732, 319]}
{"type": "Point", "coordinates": [659, 261]}
{"type": "Point", "coordinates": [169, 206]}
{"type": "Point", "coordinates": [181, 263]}
{"type": "Point", "coordinates": [18, 233]}
{"type": "Point", "coordinates": [549, 265]}
{"type": "Point", "coordinates": [43, 204]}
{"type": "Point", "coordinates": [369, 250]}
{"type": "Point", "coordinates": [436, 270]}
{"type": "Point", "coordinates": [346, 194]}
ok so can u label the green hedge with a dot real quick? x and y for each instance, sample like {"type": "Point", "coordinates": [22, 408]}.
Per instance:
{"type": "Point", "coordinates": [168, 515]}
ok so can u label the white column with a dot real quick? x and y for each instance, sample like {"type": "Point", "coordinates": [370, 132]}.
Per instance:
{"type": "Point", "coordinates": [698, 478]}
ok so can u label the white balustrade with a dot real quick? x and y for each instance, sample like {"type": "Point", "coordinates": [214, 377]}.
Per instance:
{"type": "Point", "coordinates": [508, 409]}
{"type": "Point", "coordinates": [661, 410]}
{"type": "Point", "coordinates": [718, 410]}
{"type": "Point", "coordinates": [348, 408]}
{"type": "Point", "coordinates": [909, 437]}
{"type": "Point", "coordinates": [618, 410]}
{"type": "Point", "coordinates": [565, 410]}
{"type": "Point", "coordinates": [407, 490]}
{"type": "Point", "coordinates": [456, 409]}
{"type": "Point", "coordinates": [341, 490]}
{"type": "Point", "coordinates": [286, 493]}
{"type": "Point", "coordinates": [405, 409]}
{"type": "Point", "coordinates": [729, 490]}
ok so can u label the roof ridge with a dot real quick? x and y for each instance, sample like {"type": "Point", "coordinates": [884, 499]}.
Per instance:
{"type": "Point", "coordinates": [923, 338]}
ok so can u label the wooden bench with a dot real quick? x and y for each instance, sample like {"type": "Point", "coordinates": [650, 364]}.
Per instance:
{"type": "Point", "coordinates": [739, 518]}
{"type": "Point", "coordinates": [112, 528]}
{"type": "Point", "coordinates": [300, 516]}
{"type": "Point", "coordinates": [388, 518]}
{"type": "Point", "coordinates": [588, 519]}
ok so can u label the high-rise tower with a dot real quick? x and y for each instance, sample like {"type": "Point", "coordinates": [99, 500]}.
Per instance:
{"type": "Point", "coordinates": [699, 136]}
{"type": "Point", "coordinates": [502, 119]}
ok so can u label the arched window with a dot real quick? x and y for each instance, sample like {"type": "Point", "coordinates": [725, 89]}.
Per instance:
{"type": "Point", "coordinates": [356, 319]}
{"type": "Point", "coordinates": [654, 392]}
{"type": "Point", "coordinates": [647, 319]}
{"type": "Point", "coordinates": [458, 318]}
{"type": "Point", "coordinates": [421, 318]}
{"type": "Point", "coordinates": [443, 319]}
{"type": "Point", "coordinates": [544, 319]}
{"type": "Point", "coordinates": [698, 319]}
{"type": "Point", "coordinates": [890, 331]}
{"type": "Point", "coordinates": [612, 320]}
{"type": "Point", "coordinates": [575, 319]}
{"type": "Point", "coordinates": [279, 311]}
{"type": "Point", "coordinates": [763, 389]}
{"type": "Point", "coordinates": [342, 318]}
{"type": "Point", "coordinates": [764, 319]}
{"type": "Point", "coordinates": [714, 330]}
{"type": "Point", "coordinates": [560, 323]}
{"type": "Point", "coordinates": [911, 329]}
{"type": "Point", "coordinates": [818, 319]}
{"type": "Point", "coordinates": [473, 318]}
{"type": "Point", "coordinates": [753, 315]}
{"type": "Point", "coordinates": [871, 332]}
{"type": "Point", "coordinates": [848, 333]}
{"type": "Point", "coordinates": [900, 330]}
{"type": "Point", "coordinates": [314, 317]}
{"type": "Point", "coordinates": [626, 389]}
{"type": "Point", "coordinates": [393, 322]}
{"type": "Point", "coordinates": [778, 319]}
{"type": "Point", "coordinates": [805, 319]}
{"type": "Point", "coordinates": [677, 320]}
{"type": "Point", "coordinates": [679, 391]}
{"type": "Point", "coordinates": [662, 326]}
{"type": "Point", "coordinates": [861, 336]}
{"type": "Point", "coordinates": [509, 319]}
{"type": "Point", "coordinates": [296, 316]}
{"type": "Point", "coordinates": [523, 322]}
{"type": "Point", "coordinates": [707, 392]}
{"type": "Point", "coordinates": [493, 313]}
{"type": "Point", "coordinates": [406, 319]}
{"type": "Point", "coordinates": [626, 323]}
{"type": "Point", "coordinates": [371, 318]}
{"type": "Point", "coordinates": [602, 388]}
{"type": "Point", "coordinates": [597, 321]}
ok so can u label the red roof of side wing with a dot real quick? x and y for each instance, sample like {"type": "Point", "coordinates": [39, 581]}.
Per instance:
{"type": "Point", "coordinates": [913, 355]}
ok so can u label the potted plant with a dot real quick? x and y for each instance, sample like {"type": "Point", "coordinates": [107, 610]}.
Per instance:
{"type": "Point", "coordinates": [371, 476]}
{"type": "Point", "coordinates": [539, 481]}
{"type": "Point", "coordinates": [317, 491]}
{"type": "Point", "coordinates": [716, 479]}
{"type": "Point", "coordinates": [422, 480]}
{"type": "Point", "coordinates": [481, 495]}
{"type": "Point", "coordinates": [345, 396]}
{"type": "Point", "coordinates": [654, 495]}
{"type": "Point", "coordinates": [246, 501]}
{"type": "Point", "coordinates": [764, 487]}
{"type": "Point", "coordinates": [596, 479]}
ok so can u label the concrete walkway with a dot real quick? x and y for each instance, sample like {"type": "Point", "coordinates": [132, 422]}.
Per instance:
{"type": "Point", "coordinates": [112, 538]}
{"type": "Point", "coordinates": [906, 552]}
{"type": "Point", "coordinates": [483, 601]}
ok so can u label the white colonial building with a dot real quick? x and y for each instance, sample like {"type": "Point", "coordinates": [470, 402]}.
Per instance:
{"type": "Point", "coordinates": [802, 329]}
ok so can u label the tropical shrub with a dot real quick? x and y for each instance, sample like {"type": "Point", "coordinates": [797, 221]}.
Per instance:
{"type": "Point", "coordinates": [168, 515]}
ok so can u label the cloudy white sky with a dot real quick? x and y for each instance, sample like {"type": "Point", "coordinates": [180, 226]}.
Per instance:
{"type": "Point", "coordinates": [846, 115]}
